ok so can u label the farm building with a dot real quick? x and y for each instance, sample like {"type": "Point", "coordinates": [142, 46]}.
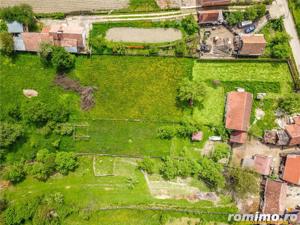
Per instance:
{"type": "Point", "coordinates": [251, 45]}
{"type": "Point", "coordinates": [291, 172]}
{"type": "Point", "coordinates": [260, 164]}
{"type": "Point", "coordinates": [238, 111]}
{"type": "Point", "coordinates": [15, 27]}
{"type": "Point", "coordinates": [274, 197]}
{"type": "Point", "coordinates": [72, 38]}
{"type": "Point", "coordinates": [213, 17]}
{"type": "Point", "coordinates": [293, 130]}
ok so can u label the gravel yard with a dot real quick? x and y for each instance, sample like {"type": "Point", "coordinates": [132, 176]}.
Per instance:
{"type": "Point", "coordinates": [143, 35]}
{"type": "Point", "coordinates": [49, 6]}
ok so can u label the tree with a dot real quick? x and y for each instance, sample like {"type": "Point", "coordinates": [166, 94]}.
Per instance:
{"type": "Point", "coordinates": [261, 10]}
{"type": "Point", "coordinates": [243, 182]}
{"type": "Point", "coordinates": [62, 60]}
{"type": "Point", "coordinates": [146, 165]}
{"type": "Point", "coordinates": [9, 133]}
{"type": "Point", "coordinates": [22, 13]}
{"type": "Point", "coordinates": [15, 173]}
{"type": "Point", "coordinates": [169, 169]}
{"type": "Point", "coordinates": [65, 162]}
{"type": "Point", "coordinates": [250, 13]}
{"type": "Point", "coordinates": [45, 53]}
{"type": "Point", "coordinates": [233, 18]}
{"type": "Point", "coordinates": [190, 25]}
{"type": "Point", "coordinates": [6, 43]}
{"type": "Point", "coordinates": [281, 51]}
{"type": "Point", "coordinates": [180, 48]}
{"type": "Point", "coordinates": [290, 104]}
{"type": "Point", "coordinates": [35, 112]}
{"type": "Point", "coordinates": [297, 3]}
{"type": "Point", "coordinates": [3, 26]}
{"type": "Point", "coordinates": [221, 151]}
{"type": "Point", "coordinates": [192, 91]}
{"type": "Point", "coordinates": [211, 172]}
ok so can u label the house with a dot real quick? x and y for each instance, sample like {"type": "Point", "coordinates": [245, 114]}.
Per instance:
{"type": "Point", "coordinates": [208, 3]}
{"type": "Point", "coordinates": [15, 27]}
{"type": "Point", "coordinates": [31, 41]}
{"type": "Point", "coordinates": [71, 37]}
{"type": "Point", "coordinates": [212, 17]}
{"type": "Point", "coordinates": [293, 131]}
{"type": "Point", "coordinates": [291, 172]}
{"type": "Point", "coordinates": [274, 197]}
{"type": "Point", "coordinates": [238, 111]}
{"type": "Point", "coordinates": [260, 164]}
{"type": "Point", "coordinates": [251, 45]}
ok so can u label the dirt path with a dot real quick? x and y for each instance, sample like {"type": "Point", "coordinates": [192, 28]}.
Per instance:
{"type": "Point", "coordinates": [141, 35]}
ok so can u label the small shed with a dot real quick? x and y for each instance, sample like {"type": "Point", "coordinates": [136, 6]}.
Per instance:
{"type": "Point", "coordinates": [15, 27]}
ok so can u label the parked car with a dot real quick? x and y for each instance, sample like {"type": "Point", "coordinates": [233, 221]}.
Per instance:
{"type": "Point", "coordinates": [249, 29]}
{"type": "Point", "coordinates": [245, 24]}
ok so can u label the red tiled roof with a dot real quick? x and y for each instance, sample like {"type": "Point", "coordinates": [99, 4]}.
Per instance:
{"type": "Point", "coordinates": [292, 169]}
{"type": "Point", "coordinates": [214, 2]}
{"type": "Point", "coordinates": [293, 131]}
{"type": "Point", "coordinates": [238, 110]}
{"type": "Point", "coordinates": [209, 16]}
{"type": "Point", "coordinates": [33, 40]}
{"type": "Point", "coordinates": [274, 197]}
{"type": "Point", "coordinates": [253, 44]}
{"type": "Point", "coordinates": [238, 137]}
{"type": "Point", "coordinates": [262, 164]}
{"type": "Point", "coordinates": [297, 120]}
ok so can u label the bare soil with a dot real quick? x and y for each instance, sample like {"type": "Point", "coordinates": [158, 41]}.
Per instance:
{"type": "Point", "coordinates": [86, 93]}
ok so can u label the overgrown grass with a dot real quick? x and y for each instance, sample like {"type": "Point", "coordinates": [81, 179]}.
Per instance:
{"type": "Point", "coordinates": [296, 14]}
{"type": "Point", "coordinates": [143, 5]}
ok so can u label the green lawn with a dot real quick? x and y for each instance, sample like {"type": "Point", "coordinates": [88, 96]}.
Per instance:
{"type": "Point", "coordinates": [270, 77]}
{"type": "Point", "coordinates": [296, 14]}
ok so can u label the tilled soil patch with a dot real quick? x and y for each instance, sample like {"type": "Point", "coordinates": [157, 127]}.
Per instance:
{"type": "Point", "coordinates": [86, 93]}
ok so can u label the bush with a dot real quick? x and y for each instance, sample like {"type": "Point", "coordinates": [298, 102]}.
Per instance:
{"type": "Point", "coordinates": [22, 13]}
{"type": "Point", "coordinates": [3, 204]}
{"type": "Point", "coordinates": [211, 173]}
{"type": "Point", "coordinates": [46, 53]}
{"type": "Point", "coordinates": [65, 162]}
{"type": "Point", "coordinates": [221, 151]}
{"type": "Point", "coordinates": [290, 104]}
{"type": "Point", "coordinates": [15, 173]}
{"type": "Point", "coordinates": [180, 49]}
{"type": "Point", "coordinates": [281, 51]}
{"type": "Point", "coordinates": [153, 50]}
{"type": "Point", "coordinates": [190, 25]}
{"type": "Point", "coordinates": [62, 60]}
{"type": "Point", "coordinates": [234, 18]}
{"type": "Point", "coordinates": [146, 165]}
{"type": "Point", "coordinates": [243, 182]}
{"type": "Point", "coordinates": [192, 91]}
{"type": "Point", "coordinates": [9, 133]}
{"type": "Point", "coordinates": [117, 48]}
{"type": "Point", "coordinates": [3, 26]}
{"type": "Point", "coordinates": [6, 44]}
{"type": "Point", "coordinates": [167, 132]}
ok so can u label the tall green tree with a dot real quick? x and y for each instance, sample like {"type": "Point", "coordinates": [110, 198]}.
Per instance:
{"type": "Point", "coordinates": [192, 91]}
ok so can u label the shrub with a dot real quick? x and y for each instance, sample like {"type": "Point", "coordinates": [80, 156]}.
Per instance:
{"type": "Point", "coordinates": [234, 18]}
{"type": "Point", "coordinates": [15, 173]}
{"type": "Point", "coordinates": [3, 204]}
{"type": "Point", "coordinates": [153, 50]}
{"type": "Point", "coordinates": [146, 165]}
{"type": "Point", "coordinates": [211, 173]}
{"type": "Point", "coordinates": [65, 162]}
{"type": "Point", "coordinates": [180, 49]}
{"type": "Point", "coordinates": [290, 104]}
{"type": "Point", "coordinates": [6, 44]}
{"type": "Point", "coordinates": [243, 182]}
{"type": "Point", "coordinates": [9, 133]}
{"type": "Point", "coordinates": [99, 44]}
{"type": "Point", "coordinates": [221, 151]}
{"type": "Point", "coordinates": [190, 25]}
{"type": "Point", "coordinates": [117, 48]}
{"type": "Point", "coordinates": [62, 60]}
{"type": "Point", "coordinates": [277, 24]}
{"type": "Point", "coordinates": [167, 132]}
{"type": "Point", "coordinates": [46, 53]}
{"type": "Point", "coordinates": [169, 169]}
{"type": "Point", "coordinates": [22, 13]}
{"type": "Point", "coordinates": [3, 26]}
{"type": "Point", "coordinates": [281, 51]}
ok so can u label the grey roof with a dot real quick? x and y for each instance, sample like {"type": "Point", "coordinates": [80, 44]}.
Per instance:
{"type": "Point", "coordinates": [19, 43]}
{"type": "Point", "coordinates": [15, 27]}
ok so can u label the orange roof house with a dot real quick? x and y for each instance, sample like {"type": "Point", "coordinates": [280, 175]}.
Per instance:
{"type": "Point", "coordinates": [252, 45]}
{"type": "Point", "coordinates": [210, 17]}
{"type": "Point", "coordinates": [208, 3]}
{"type": "Point", "coordinates": [293, 130]}
{"type": "Point", "coordinates": [292, 169]}
{"type": "Point", "coordinates": [274, 197]}
{"type": "Point", "coordinates": [32, 40]}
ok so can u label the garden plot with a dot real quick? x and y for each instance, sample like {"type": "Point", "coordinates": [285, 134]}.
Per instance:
{"type": "Point", "coordinates": [50, 6]}
{"type": "Point", "coordinates": [143, 35]}
{"type": "Point", "coordinates": [177, 189]}
{"type": "Point", "coordinates": [113, 166]}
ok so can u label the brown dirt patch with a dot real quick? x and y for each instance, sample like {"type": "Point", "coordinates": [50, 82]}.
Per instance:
{"type": "Point", "coordinates": [86, 93]}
